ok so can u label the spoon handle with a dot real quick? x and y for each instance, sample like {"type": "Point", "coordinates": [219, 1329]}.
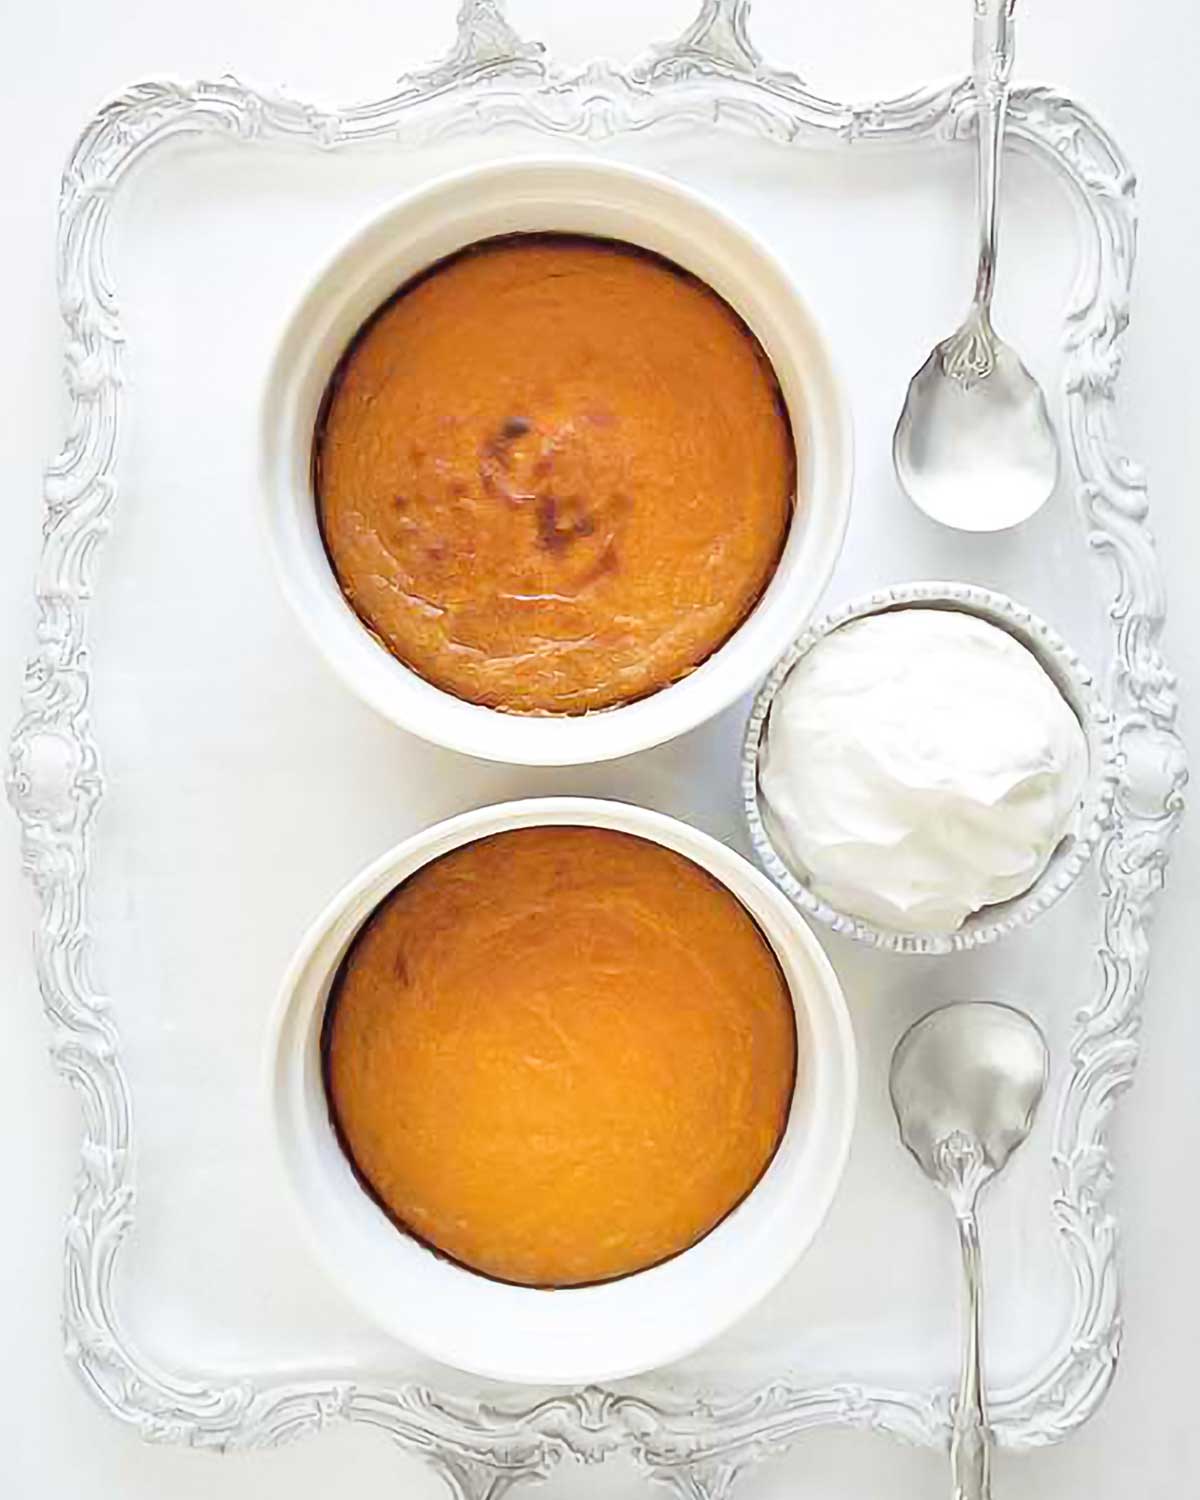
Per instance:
{"type": "Point", "coordinates": [970, 1441]}
{"type": "Point", "coordinates": [991, 68]}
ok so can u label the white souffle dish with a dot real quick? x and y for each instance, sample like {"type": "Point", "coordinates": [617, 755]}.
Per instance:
{"type": "Point", "coordinates": [1073, 682]}
{"type": "Point", "coordinates": [579, 196]}
{"type": "Point", "coordinates": [572, 1335]}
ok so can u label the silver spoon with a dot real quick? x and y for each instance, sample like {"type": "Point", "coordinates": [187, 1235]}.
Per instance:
{"type": "Point", "coordinates": [966, 1081]}
{"type": "Point", "coordinates": [974, 447]}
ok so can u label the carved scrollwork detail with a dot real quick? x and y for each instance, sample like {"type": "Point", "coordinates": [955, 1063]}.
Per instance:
{"type": "Point", "coordinates": [712, 77]}
{"type": "Point", "coordinates": [961, 1167]}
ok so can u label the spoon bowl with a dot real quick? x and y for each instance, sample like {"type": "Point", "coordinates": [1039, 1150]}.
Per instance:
{"type": "Point", "coordinates": [975, 450]}
{"type": "Point", "coordinates": [967, 1078]}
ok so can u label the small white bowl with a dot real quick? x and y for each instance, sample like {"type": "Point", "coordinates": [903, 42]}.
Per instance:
{"type": "Point", "coordinates": [574, 1335]}
{"type": "Point", "coordinates": [1073, 681]}
{"type": "Point", "coordinates": [584, 197]}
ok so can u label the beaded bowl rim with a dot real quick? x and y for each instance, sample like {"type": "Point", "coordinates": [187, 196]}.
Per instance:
{"type": "Point", "coordinates": [1070, 676]}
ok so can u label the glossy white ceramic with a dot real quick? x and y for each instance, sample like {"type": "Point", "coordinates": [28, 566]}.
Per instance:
{"type": "Point", "coordinates": [584, 196]}
{"type": "Point", "coordinates": [588, 1333]}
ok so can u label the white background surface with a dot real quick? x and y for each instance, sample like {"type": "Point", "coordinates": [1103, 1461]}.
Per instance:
{"type": "Point", "coordinates": [1134, 66]}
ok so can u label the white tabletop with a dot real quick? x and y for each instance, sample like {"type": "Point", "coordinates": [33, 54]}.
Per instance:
{"type": "Point", "coordinates": [1133, 66]}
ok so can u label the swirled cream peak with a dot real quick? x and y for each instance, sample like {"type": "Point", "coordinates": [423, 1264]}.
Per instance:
{"type": "Point", "coordinates": [920, 764]}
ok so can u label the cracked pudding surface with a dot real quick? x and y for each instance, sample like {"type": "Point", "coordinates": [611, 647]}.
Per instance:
{"type": "Point", "coordinates": [554, 474]}
{"type": "Point", "coordinates": [560, 1054]}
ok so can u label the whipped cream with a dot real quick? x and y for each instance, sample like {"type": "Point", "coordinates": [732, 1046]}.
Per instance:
{"type": "Point", "coordinates": [918, 765]}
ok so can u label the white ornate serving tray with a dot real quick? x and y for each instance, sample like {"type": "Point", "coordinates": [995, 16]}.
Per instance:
{"type": "Point", "coordinates": [192, 783]}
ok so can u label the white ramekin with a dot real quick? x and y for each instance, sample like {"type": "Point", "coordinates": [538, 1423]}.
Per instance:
{"type": "Point", "coordinates": [587, 197]}
{"type": "Point", "coordinates": [1073, 681]}
{"type": "Point", "coordinates": [589, 1333]}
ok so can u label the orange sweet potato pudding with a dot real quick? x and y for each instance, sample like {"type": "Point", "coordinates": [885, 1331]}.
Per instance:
{"type": "Point", "coordinates": [560, 1055]}
{"type": "Point", "coordinates": [554, 473]}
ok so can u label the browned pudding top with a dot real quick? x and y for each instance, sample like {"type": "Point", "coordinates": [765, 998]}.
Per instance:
{"type": "Point", "coordinates": [554, 474]}
{"type": "Point", "coordinates": [560, 1054]}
